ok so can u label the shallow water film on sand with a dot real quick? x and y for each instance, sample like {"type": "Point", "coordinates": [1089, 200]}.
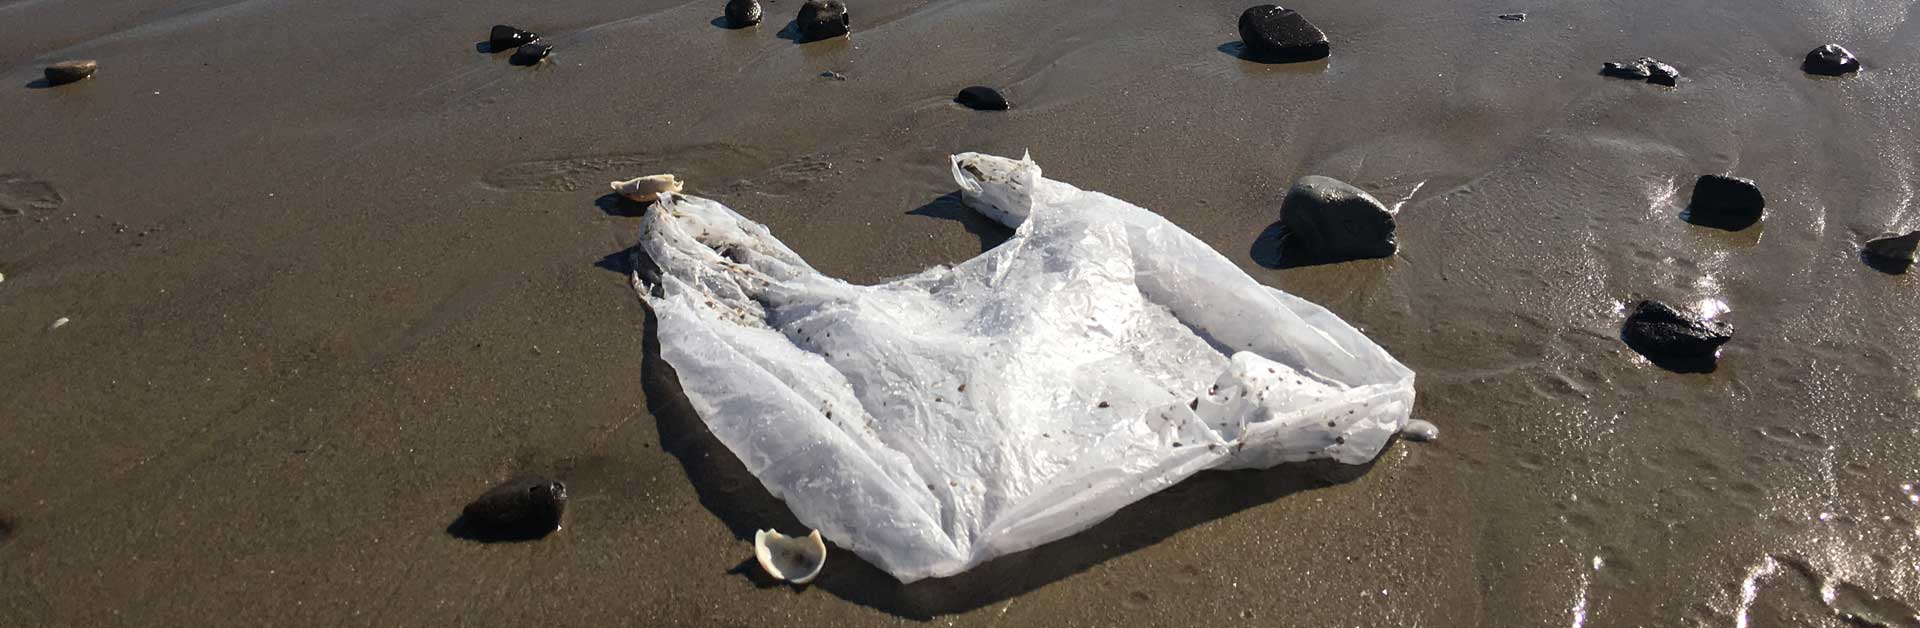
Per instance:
{"type": "Point", "coordinates": [329, 271]}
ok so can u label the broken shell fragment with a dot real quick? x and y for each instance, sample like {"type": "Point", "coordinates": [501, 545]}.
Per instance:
{"type": "Point", "coordinates": [647, 189]}
{"type": "Point", "coordinates": [1420, 431]}
{"type": "Point", "coordinates": [793, 559]}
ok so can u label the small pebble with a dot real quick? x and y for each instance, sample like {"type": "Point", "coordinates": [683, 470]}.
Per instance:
{"type": "Point", "coordinates": [823, 19]}
{"type": "Point", "coordinates": [532, 53]}
{"type": "Point", "coordinates": [1513, 17]}
{"type": "Point", "coordinates": [1724, 202]}
{"type": "Point", "coordinates": [1420, 431]}
{"type": "Point", "coordinates": [1631, 70]}
{"type": "Point", "coordinates": [1327, 220]}
{"type": "Point", "coordinates": [504, 38]}
{"type": "Point", "coordinates": [742, 13]}
{"type": "Point", "coordinates": [66, 72]}
{"type": "Point", "coordinates": [1830, 60]}
{"type": "Point", "coordinates": [1675, 340]}
{"type": "Point", "coordinates": [982, 98]}
{"type": "Point", "coordinates": [833, 75]}
{"type": "Point", "coordinates": [1892, 254]}
{"type": "Point", "coordinates": [1662, 74]}
{"type": "Point", "coordinates": [523, 508]}
{"type": "Point", "coordinates": [1646, 69]}
{"type": "Point", "coordinates": [60, 322]}
{"type": "Point", "coordinates": [1274, 33]}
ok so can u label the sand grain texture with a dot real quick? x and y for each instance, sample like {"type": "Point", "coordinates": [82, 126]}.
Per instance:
{"type": "Point", "coordinates": [324, 294]}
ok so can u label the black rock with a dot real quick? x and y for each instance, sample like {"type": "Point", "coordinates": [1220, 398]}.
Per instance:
{"type": "Point", "coordinates": [1272, 33]}
{"type": "Point", "coordinates": [504, 38]}
{"type": "Point", "coordinates": [1661, 74]}
{"type": "Point", "coordinates": [982, 98]}
{"type": "Point", "coordinates": [531, 53]}
{"type": "Point", "coordinates": [1831, 60]}
{"type": "Point", "coordinates": [1673, 339]}
{"type": "Point", "coordinates": [523, 508]}
{"type": "Point", "coordinates": [1723, 202]}
{"type": "Point", "coordinates": [1891, 254]}
{"type": "Point", "coordinates": [1631, 70]}
{"type": "Point", "coordinates": [1324, 220]}
{"type": "Point", "coordinates": [1514, 17]}
{"type": "Point", "coordinates": [1646, 69]}
{"type": "Point", "coordinates": [823, 19]}
{"type": "Point", "coordinates": [743, 13]}
{"type": "Point", "coordinates": [66, 72]}
{"type": "Point", "coordinates": [833, 75]}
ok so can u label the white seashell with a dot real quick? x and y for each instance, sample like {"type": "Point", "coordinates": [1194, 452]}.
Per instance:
{"type": "Point", "coordinates": [60, 322]}
{"type": "Point", "coordinates": [793, 559]}
{"type": "Point", "coordinates": [1420, 431]}
{"type": "Point", "coordinates": [647, 189]}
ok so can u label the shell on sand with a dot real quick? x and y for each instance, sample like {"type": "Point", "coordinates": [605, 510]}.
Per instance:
{"type": "Point", "coordinates": [795, 559]}
{"type": "Point", "coordinates": [647, 189]}
{"type": "Point", "coordinates": [1420, 431]}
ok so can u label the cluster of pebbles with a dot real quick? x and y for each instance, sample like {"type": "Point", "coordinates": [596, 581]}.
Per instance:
{"type": "Point", "coordinates": [828, 19]}
{"type": "Point", "coordinates": [817, 20]}
{"type": "Point", "coordinates": [1324, 220]}
{"type": "Point", "coordinates": [527, 47]}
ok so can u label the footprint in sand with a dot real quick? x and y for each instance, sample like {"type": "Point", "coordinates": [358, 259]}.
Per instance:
{"type": "Point", "coordinates": [592, 172]}
{"type": "Point", "coordinates": [711, 167]}
{"type": "Point", "coordinates": [806, 169]}
{"type": "Point", "coordinates": [567, 174]}
{"type": "Point", "coordinates": [20, 194]}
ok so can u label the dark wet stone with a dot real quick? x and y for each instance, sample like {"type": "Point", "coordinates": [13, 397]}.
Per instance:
{"type": "Point", "coordinates": [532, 53]}
{"type": "Point", "coordinates": [1891, 254]}
{"type": "Point", "coordinates": [833, 75]}
{"type": "Point", "coordinates": [66, 72]}
{"type": "Point", "coordinates": [504, 38]}
{"type": "Point", "coordinates": [1724, 202]}
{"type": "Point", "coordinates": [743, 12]}
{"type": "Point", "coordinates": [1662, 74]}
{"type": "Point", "coordinates": [1674, 339]}
{"type": "Point", "coordinates": [523, 508]}
{"type": "Point", "coordinates": [1514, 17]}
{"type": "Point", "coordinates": [982, 98]}
{"type": "Point", "coordinates": [1272, 33]}
{"type": "Point", "coordinates": [1646, 69]}
{"type": "Point", "coordinates": [823, 19]}
{"type": "Point", "coordinates": [1324, 220]}
{"type": "Point", "coordinates": [1830, 60]}
{"type": "Point", "coordinates": [1631, 70]}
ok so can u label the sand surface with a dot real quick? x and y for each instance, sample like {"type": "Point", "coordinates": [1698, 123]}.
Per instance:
{"type": "Point", "coordinates": [330, 272]}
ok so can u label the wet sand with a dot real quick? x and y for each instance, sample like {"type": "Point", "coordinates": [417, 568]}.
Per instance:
{"type": "Point", "coordinates": [331, 272]}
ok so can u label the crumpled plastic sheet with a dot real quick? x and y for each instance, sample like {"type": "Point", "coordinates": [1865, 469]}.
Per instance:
{"type": "Point", "coordinates": [936, 421]}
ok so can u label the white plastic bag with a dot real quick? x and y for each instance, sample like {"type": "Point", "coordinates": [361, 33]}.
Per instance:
{"type": "Point", "coordinates": [937, 421]}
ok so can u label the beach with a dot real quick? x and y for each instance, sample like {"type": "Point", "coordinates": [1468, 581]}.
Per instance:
{"type": "Point", "coordinates": [329, 272]}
